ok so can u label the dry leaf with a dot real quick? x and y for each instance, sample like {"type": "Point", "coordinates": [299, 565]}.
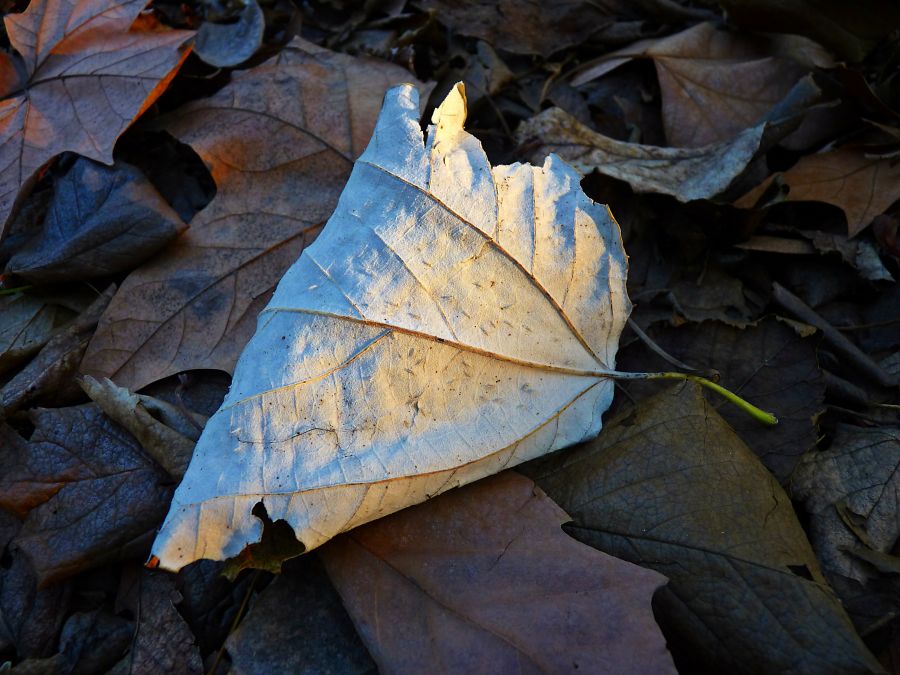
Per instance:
{"type": "Point", "coordinates": [166, 433]}
{"type": "Point", "coordinates": [484, 580]}
{"type": "Point", "coordinates": [26, 324]}
{"type": "Point", "coordinates": [860, 472]}
{"type": "Point", "coordinates": [86, 74]}
{"type": "Point", "coordinates": [672, 487]}
{"type": "Point", "coordinates": [280, 141]}
{"type": "Point", "coordinates": [684, 173]}
{"type": "Point", "coordinates": [863, 187]}
{"type": "Point", "coordinates": [523, 27]}
{"type": "Point", "coordinates": [49, 376]}
{"type": "Point", "coordinates": [101, 221]}
{"type": "Point", "coordinates": [86, 491]}
{"type": "Point", "coordinates": [453, 319]}
{"type": "Point", "coordinates": [715, 83]}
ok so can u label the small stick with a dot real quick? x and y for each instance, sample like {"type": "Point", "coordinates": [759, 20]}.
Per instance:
{"type": "Point", "coordinates": [841, 344]}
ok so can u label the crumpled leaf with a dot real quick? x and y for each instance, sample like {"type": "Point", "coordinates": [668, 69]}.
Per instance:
{"type": "Point", "coordinates": [672, 487]}
{"type": "Point", "coordinates": [767, 363]}
{"type": "Point", "coordinates": [280, 141]}
{"type": "Point", "coordinates": [859, 473]}
{"type": "Point", "coordinates": [83, 74]}
{"type": "Point", "coordinates": [715, 83]}
{"type": "Point", "coordinates": [101, 221]}
{"type": "Point", "coordinates": [862, 186]}
{"type": "Point", "coordinates": [275, 637]}
{"type": "Point", "coordinates": [482, 579]}
{"type": "Point", "coordinates": [162, 642]}
{"type": "Point", "coordinates": [452, 320]}
{"type": "Point", "coordinates": [228, 44]}
{"type": "Point", "coordinates": [49, 376]}
{"type": "Point", "coordinates": [26, 324]}
{"type": "Point", "coordinates": [684, 173]}
{"type": "Point", "coordinates": [166, 433]}
{"type": "Point", "coordinates": [86, 491]}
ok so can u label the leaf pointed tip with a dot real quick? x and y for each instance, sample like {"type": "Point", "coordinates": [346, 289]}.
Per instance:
{"type": "Point", "coordinates": [451, 113]}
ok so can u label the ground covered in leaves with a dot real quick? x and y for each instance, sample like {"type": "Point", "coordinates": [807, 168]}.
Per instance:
{"type": "Point", "coordinates": [162, 168]}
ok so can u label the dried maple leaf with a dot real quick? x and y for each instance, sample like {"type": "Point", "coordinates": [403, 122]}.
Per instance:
{"type": "Point", "coordinates": [83, 75]}
{"type": "Point", "coordinates": [452, 319]}
{"type": "Point", "coordinates": [862, 186]}
{"type": "Point", "coordinates": [280, 141]}
{"type": "Point", "coordinates": [484, 580]}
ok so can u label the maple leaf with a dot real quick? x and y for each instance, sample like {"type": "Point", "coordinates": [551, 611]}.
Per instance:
{"type": "Point", "coordinates": [82, 75]}
{"type": "Point", "coordinates": [451, 320]}
{"type": "Point", "coordinates": [279, 161]}
{"type": "Point", "coordinates": [483, 579]}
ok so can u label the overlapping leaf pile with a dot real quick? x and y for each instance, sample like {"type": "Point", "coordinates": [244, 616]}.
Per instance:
{"type": "Point", "coordinates": [152, 197]}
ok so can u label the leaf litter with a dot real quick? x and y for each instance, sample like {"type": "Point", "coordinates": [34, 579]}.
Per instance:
{"type": "Point", "coordinates": [719, 286]}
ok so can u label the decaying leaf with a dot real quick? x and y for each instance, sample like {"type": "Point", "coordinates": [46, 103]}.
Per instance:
{"type": "Point", "coordinates": [101, 221]}
{"type": "Point", "coordinates": [858, 473]}
{"type": "Point", "coordinates": [452, 320]}
{"type": "Point", "coordinates": [862, 186]}
{"type": "Point", "coordinates": [673, 488]}
{"type": "Point", "coordinates": [86, 491]}
{"type": "Point", "coordinates": [715, 83]}
{"type": "Point", "coordinates": [482, 579]}
{"type": "Point", "coordinates": [83, 73]}
{"type": "Point", "coordinates": [165, 433]}
{"type": "Point", "coordinates": [684, 173]}
{"type": "Point", "coordinates": [280, 141]}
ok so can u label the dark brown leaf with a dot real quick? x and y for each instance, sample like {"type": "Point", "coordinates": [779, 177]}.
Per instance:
{"type": "Point", "coordinates": [672, 487]}
{"type": "Point", "coordinates": [482, 579]}
{"type": "Point", "coordinates": [716, 83]}
{"type": "Point", "coordinates": [768, 364]}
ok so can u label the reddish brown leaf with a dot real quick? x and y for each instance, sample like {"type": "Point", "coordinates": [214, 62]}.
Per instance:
{"type": "Point", "coordinates": [280, 141]}
{"type": "Point", "coordinates": [716, 83]}
{"type": "Point", "coordinates": [482, 579]}
{"type": "Point", "coordinates": [85, 77]}
{"type": "Point", "coordinates": [863, 187]}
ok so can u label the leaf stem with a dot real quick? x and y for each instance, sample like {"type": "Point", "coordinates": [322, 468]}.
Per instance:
{"type": "Point", "coordinates": [754, 412]}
